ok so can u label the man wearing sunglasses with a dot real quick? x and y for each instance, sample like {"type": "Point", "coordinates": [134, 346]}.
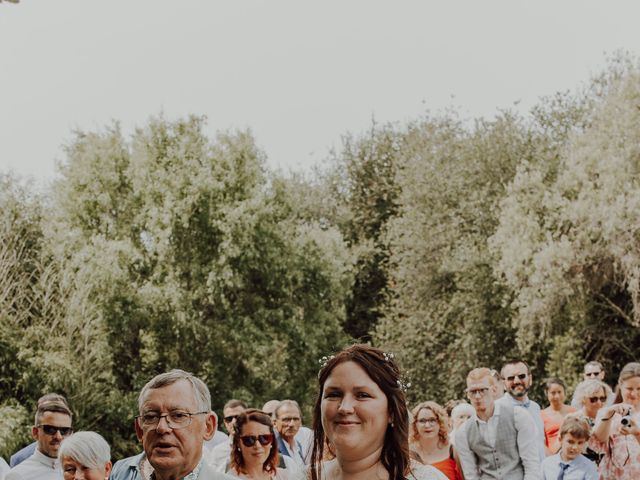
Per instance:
{"type": "Point", "coordinates": [593, 370]}
{"type": "Point", "coordinates": [52, 425]}
{"type": "Point", "coordinates": [517, 382]}
{"type": "Point", "coordinates": [219, 455]}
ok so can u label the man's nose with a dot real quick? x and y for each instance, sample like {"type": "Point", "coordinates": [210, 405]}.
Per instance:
{"type": "Point", "coordinates": [163, 427]}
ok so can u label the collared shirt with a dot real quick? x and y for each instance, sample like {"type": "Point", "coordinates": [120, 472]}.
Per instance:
{"type": "Point", "coordinates": [37, 467]}
{"type": "Point", "coordinates": [534, 410]}
{"type": "Point", "coordinates": [190, 476]}
{"type": "Point", "coordinates": [580, 468]}
{"type": "Point", "coordinates": [295, 452]}
{"type": "Point", "coordinates": [526, 439]}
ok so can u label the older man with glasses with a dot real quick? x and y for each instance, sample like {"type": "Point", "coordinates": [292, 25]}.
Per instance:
{"type": "Point", "coordinates": [499, 440]}
{"type": "Point", "coordinates": [52, 425]}
{"type": "Point", "coordinates": [174, 422]}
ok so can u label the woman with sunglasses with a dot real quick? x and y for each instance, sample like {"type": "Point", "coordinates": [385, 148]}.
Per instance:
{"type": "Point", "coordinates": [553, 416]}
{"type": "Point", "coordinates": [361, 414]}
{"type": "Point", "coordinates": [617, 430]}
{"type": "Point", "coordinates": [591, 395]}
{"type": "Point", "coordinates": [429, 440]}
{"type": "Point", "coordinates": [254, 454]}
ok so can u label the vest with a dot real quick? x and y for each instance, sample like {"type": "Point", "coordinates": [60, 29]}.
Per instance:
{"type": "Point", "coordinates": [501, 462]}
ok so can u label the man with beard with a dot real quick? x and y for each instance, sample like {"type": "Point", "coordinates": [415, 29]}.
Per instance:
{"type": "Point", "coordinates": [498, 441]}
{"type": "Point", "coordinates": [52, 425]}
{"type": "Point", "coordinates": [517, 382]}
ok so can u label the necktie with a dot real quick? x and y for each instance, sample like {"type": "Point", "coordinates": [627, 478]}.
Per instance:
{"type": "Point", "coordinates": [563, 468]}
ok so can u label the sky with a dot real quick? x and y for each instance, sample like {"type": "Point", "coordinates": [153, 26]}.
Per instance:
{"type": "Point", "coordinates": [299, 74]}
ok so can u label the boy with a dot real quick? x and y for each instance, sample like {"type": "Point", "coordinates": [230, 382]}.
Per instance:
{"type": "Point", "coordinates": [569, 463]}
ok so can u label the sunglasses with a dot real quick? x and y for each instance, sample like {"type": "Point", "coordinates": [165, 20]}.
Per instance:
{"type": "Point", "coordinates": [522, 376]}
{"type": "Point", "coordinates": [250, 440]}
{"type": "Point", "coordinates": [230, 418]}
{"type": "Point", "coordinates": [597, 399]}
{"type": "Point", "coordinates": [51, 430]}
{"type": "Point", "coordinates": [592, 374]}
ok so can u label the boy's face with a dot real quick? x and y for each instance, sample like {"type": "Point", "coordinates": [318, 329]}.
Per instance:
{"type": "Point", "coordinates": [571, 447]}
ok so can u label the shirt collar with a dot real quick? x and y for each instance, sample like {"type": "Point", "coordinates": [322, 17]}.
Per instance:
{"type": "Point", "coordinates": [190, 476]}
{"type": "Point", "coordinates": [45, 460]}
{"type": "Point", "coordinates": [526, 403]}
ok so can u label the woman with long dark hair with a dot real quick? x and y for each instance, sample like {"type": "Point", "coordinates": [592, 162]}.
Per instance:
{"type": "Point", "coordinates": [361, 414]}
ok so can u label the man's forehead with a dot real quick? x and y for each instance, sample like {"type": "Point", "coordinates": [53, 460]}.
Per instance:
{"type": "Point", "coordinates": [179, 395]}
{"type": "Point", "coordinates": [591, 369]}
{"type": "Point", "coordinates": [515, 369]}
{"type": "Point", "coordinates": [288, 410]}
{"type": "Point", "coordinates": [481, 383]}
{"type": "Point", "coordinates": [232, 410]}
{"type": "Point", "coordinates": [57, 419]}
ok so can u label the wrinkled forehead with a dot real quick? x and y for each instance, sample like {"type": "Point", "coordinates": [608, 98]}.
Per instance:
{"type": "Point", "coordinates": [592, 369]}
{"type": "Point", "coordinates": [484, 382]}
{"type": "Point", "coordinates": [179, 395]}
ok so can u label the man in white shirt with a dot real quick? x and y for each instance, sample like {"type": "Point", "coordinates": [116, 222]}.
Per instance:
{"type": "Point", "coordinates": [52, 425]}
{"type": "Point", "coordinates": [517, 382]}
{"type": "Point", "coordinates": [218, 457]}
{"type": "Point", "coordinates": [498, 441]}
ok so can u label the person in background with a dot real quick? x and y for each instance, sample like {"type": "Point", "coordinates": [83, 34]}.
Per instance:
{"type": "Point", "coordinates": [52, 425]}
{"type": "Point", "coordinates": [617, 433]}
{"type": "Point", "coordinates": [361, 415]}
{"type": "Point", "coordinates": [220, 455]}
{"type": "Point", "coordinates": [429, 439]}
{"type": "Point", "coordinates": [288, 421]}
{"type": "Point", "coordinates": [554, 414]}
{"type": "Point", "coordinates": [85, 455]}
{"type": "Point", "coordinates": [26, 452]}
{"type": "Point", "coordinates": [499, 441]}
{"type": "Point", "coordinates": [593, 371]}
{"type": "Point", "coordinates": [569, 463]}
{"type": "Point", "coordinates": [499, 383]}
{"type": "Point", "coordinates": [254, 454]}
{"type": "Point", "coordinates": [517, 382]}
{"type": "Point", "coordinates": [460, 414]}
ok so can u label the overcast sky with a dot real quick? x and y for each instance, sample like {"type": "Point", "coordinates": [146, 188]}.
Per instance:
{"type": "Point", "coordinates": [300, 74]}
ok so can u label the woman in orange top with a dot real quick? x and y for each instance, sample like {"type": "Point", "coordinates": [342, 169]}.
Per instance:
{"type": "Point", "coordinates": [554, 414]}
{"type": "Point", "coordinates": [429, 439]}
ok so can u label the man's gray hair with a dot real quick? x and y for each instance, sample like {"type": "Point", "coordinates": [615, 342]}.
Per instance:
{"type": "Point", "coordinates": [87, 448]}
{"type": "Point", "coordinates": [590, 387]}
{"type": "Point", "coordinates": [287, 403]}
{"type": "Point", "coordinates": [593, 363]}
{"type": "Point", "coordinates": [200, 390]}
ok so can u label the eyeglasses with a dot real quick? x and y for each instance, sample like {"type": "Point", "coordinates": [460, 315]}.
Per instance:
{"type": "Point", "coordinates": [290, 419]}
{"type": "Point", "coordinates": [52, 430]}
{"type": "Point", "coordinates": [597, 399]}
{"type": "Point", "coordinates": [592, 374]}
{"type": "Point", "coordinates": [477, 392]}
{"type": "Point", "coordinates": [230, 418]}
{"type": "Point", "coordinates": [430, 421]}
{"type": "Point", "coordinates": [521, 376]}
{"type": "Point", "coordinates": [175, 420]}
{"type": "Point", "coordinates": [250, 440]}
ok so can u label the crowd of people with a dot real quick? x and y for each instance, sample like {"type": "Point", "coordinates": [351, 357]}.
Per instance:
{"type": "Point", "coordinates": [361, 429]}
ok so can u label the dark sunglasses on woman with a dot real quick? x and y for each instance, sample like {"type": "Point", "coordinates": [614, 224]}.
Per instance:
{"type": "Point", "coordinates": [250, 440]}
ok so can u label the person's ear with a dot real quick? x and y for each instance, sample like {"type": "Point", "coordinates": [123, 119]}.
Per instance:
{"type": "Point", "coordinates": [210, 426]}
{"type": "Point", "coordinates": [34, 432]}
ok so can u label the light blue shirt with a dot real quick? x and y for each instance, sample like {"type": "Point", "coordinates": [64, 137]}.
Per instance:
{"type": "Point", "coordinates": [580, 468]}
{"type": "Point", "coordinates": [534, 410]}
